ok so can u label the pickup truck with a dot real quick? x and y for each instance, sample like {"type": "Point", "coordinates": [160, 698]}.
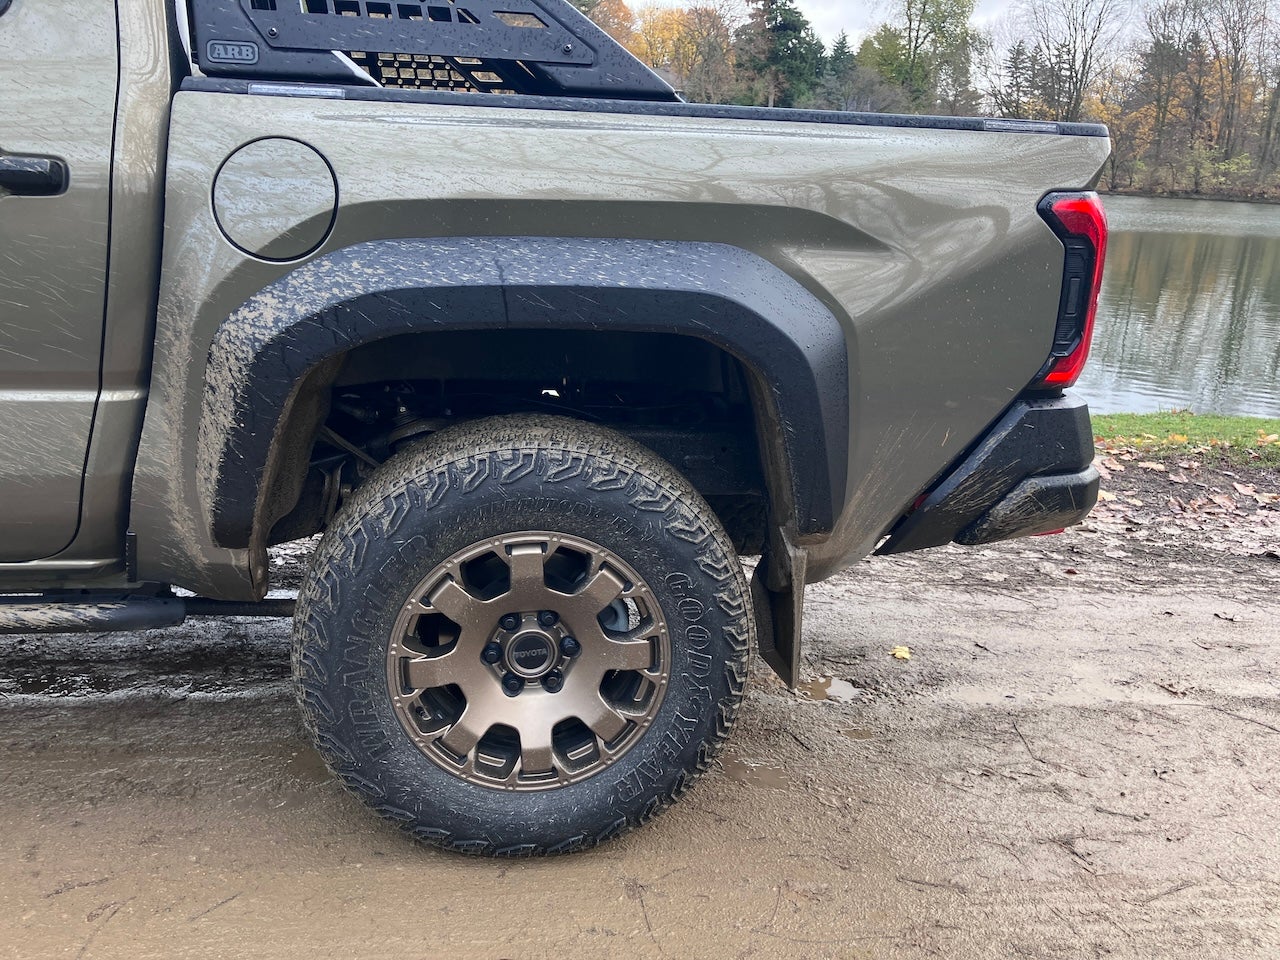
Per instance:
{"type": "Point", "coordinates": [539, 350]}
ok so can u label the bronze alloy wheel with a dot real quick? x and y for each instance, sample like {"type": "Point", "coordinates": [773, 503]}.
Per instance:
{"type": "Point", "coordinates": [528, 661]}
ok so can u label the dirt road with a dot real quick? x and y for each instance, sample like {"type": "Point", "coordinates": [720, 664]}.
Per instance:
{"type": "Point", "coordinates": [1081, 758]}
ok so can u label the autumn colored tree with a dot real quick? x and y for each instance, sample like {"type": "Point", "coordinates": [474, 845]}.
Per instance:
{"type": "Point", "coordinates": [659, 33]}
{"type": "Point", "coordinates": [615, 18]}
{"type": "Point", "coordinates": [710, 61]}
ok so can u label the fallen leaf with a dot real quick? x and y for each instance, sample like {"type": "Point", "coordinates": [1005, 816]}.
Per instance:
{"type": "Point", "coordinates": [995, 577]}
{"type": "Point", "coordinates": [1178, 438]}
{"type": "Point", "coordinates": [1151, 465]}
{"type": "Point", "coordinates": [1229, 617]}
{"type": "Point", "coordinates": [1246, 488]}
{"type": "Point", "coordinates": [1106, 496]}
{"type": "Point", "coordinates": [900, 653]}
{"type": "Point", "coordinates": [1071, 571]}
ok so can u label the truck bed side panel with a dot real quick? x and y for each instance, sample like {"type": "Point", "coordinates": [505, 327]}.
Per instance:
{"type": "Point", "coordinates": [924, 244]}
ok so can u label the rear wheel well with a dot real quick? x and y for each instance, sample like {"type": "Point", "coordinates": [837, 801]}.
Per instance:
{"type": "Point", "coordinates": [687, 400]}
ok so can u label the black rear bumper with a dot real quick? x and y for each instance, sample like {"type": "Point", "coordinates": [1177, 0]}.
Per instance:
{"type": "Point", "coordinates": [1030, 474]}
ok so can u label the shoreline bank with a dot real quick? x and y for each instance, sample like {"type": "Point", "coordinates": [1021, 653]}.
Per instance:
{"type": "Point", "coordinates": [1240, 440]}
{"type": "Point", "coordinates": [1182, 195]}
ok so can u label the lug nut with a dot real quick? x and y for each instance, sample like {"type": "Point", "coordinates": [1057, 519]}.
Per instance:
{"type": "Point", "coordinates": [509, 622]}
{"type": "Point", "coordinates": [512, 684]}
{"type": "Point", "coordinates": [548, 618]}
{"type": "Point", "coordinates": [491, 653]}
{"type": "Point", "coordinates": [553, 681]}
{"type": "Point", "coordinates": [570, 647]}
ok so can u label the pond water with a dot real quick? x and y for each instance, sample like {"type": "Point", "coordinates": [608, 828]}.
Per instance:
{"type": "Point", "coordinates": [1189, 315]}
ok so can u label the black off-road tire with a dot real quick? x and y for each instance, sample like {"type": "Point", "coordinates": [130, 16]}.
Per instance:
{"type": "Point", "coordinates": [483, 480]}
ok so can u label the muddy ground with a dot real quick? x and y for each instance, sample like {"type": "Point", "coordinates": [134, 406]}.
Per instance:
{"type": "Point", "coordinates": [1080, 759]}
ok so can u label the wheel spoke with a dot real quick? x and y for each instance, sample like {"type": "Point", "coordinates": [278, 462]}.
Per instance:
{"type": "Point", "coordinates": [536, 755]}
{"type": "Point", "coordinates": [604, 721]}
{"type": "Point", "coordinates": [423, 673]}
{"type": "Point", "coordinates": [466, 732]}
{"type": "Point", "coordinates": [601, 590]}
{"type": "Point", "coordinates": [525, 561]}
{"type": "Point", "coordinates": [455, 603]}
{"type": "Point", "coordinates": [630, 651]}
{"type": "Point", "coordinates": [628, 654]}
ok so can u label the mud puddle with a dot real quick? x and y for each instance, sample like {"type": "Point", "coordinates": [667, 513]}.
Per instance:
{"type": "Point", "coordinates": [756, 773]}
{"type": "Point", "coordinates": [829, 688]}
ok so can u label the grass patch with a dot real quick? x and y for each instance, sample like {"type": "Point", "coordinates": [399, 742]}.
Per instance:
{"type": "Point", "coordinates": [1181, 432]}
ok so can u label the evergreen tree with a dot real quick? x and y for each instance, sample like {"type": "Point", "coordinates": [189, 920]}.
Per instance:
{"type": "Point", "coordinates": [779, 57]}
{"type": "Point", "coordinates": [841, 59]}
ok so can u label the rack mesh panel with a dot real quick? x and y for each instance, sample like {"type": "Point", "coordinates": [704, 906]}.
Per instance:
{"type": "Point", "coordinates": [417, 71]}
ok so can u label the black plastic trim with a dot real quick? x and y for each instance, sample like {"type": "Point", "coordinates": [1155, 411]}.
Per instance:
{"type": "Point", "coordinates": [790, 344]}
{"type": "Point", "coordinates": [115, 613]}
{"type": "Point", "coordinates": [109, 613]}
{"type": "Point", "coordinates": [1036, 438]}
{"type": "Point", "coordinates": [644, 107]}
{"type": "Point", "coordinates": [1036, 505]}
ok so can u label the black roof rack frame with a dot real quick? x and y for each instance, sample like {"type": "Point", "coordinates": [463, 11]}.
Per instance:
{"type": "Point", "coordinates": [532, 47]}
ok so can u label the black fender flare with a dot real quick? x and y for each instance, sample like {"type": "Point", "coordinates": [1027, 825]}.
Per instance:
{"type": "Point", "coordinates": [792, 346]}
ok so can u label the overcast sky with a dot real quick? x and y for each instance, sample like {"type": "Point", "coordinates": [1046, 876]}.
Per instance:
{"type": "Point", "coordinates": [829, 17]}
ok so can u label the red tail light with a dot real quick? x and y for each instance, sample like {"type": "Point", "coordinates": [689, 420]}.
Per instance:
{"type": "Point", "coordinates": [1080, 222]}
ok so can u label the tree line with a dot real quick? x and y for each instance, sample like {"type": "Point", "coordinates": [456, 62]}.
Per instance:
{"type": "Point", "coordinates": [1189, 88]}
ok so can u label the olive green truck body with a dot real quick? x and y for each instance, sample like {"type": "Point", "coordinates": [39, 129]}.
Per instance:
{"type": "Point", "coordinates": [826, 322]}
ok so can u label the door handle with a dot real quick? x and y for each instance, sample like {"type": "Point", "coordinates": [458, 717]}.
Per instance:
{"type": "Point", "coordinates": [26, 176]}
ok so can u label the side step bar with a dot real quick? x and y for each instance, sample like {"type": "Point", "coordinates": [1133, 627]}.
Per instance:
{"type": "Point", "coordinates": [122, 612]}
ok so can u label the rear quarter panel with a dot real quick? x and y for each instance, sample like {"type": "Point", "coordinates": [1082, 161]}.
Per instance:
{"type": "Point", "coordinates": [924, 244]}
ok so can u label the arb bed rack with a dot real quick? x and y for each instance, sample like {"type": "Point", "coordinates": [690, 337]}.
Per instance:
{"type": "Point", "coordinates": [533, 47]}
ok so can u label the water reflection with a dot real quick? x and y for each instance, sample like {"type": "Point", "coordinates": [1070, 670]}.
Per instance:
{"type": "Point", "coordinates": [1190, 309]}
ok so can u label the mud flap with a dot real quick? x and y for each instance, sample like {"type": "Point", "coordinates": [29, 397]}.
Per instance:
{"type": "Point", "coordinates": [780, 612]}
